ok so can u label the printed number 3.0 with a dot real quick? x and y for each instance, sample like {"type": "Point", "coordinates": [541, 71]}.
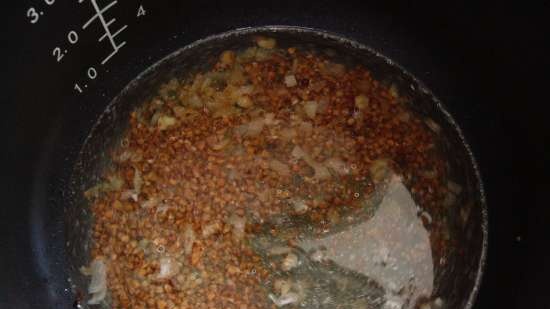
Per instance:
{"type": "Point", "coordinates": [33, 15]}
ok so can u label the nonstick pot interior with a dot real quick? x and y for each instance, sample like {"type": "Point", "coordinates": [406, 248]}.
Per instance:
{"type": "Point", "coordinates": [457, 268]}
{"type": "Point", "coordinates": [446, 47]}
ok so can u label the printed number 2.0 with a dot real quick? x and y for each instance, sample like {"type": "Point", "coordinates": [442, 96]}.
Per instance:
{"type": "Point", "coordinates": [57, 54]}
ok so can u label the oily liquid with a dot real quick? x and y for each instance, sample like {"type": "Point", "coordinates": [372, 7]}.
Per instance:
{"type": "Point", "coordinates": [379, 260]}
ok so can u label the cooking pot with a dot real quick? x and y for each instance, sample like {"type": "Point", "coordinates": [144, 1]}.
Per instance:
{"type": "Point", "coordinates": [78, 62]}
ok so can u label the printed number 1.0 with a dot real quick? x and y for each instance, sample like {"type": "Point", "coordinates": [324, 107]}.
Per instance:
{"type": "Point", "coordinates": [91, 73]}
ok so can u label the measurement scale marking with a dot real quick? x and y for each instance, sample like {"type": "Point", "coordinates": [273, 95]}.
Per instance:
{"type": "Point", "coordinates": [110, 22]}
{"type": "Point", "coordinates": [99, 13]}
{"type": "Point", "coordinates": [108, 34]}
{"type": "Point", "coordinates": [113, 53]}
{"type": "Point", "coordinates": [120, 30]}
{"type": "Point", "coordinates": [114, 34]}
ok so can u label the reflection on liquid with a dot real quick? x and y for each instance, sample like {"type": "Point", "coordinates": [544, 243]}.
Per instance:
{"type": "Point", "coordinates": [392, 248]}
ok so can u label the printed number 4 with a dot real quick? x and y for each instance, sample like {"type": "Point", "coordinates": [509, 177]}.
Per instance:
{"type": "Point", "coordinates": [141, 11]}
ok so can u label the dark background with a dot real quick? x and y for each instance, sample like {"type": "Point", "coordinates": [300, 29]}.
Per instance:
{"type": "Point", "coordinates": [487, 62]}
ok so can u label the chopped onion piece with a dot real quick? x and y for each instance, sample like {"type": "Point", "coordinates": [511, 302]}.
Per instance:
{"type": "Point", "coordinates": [269, 119]}
{"type": "Point", "coordinates": [263, 54]}
{"type": "Point", "coordinates": [337, 165]}
{"type": "Point", "coordinates": [427, 216]}
{"type": "Point", "coordinates": [163, 208]}
{"type": "Point", "coordinates": [195, 101]}
{"type": "Point", "coordinates": [431, 174]}
{"type": "Point", "coordinates": [124, 156]}
{"type": "Point", "coordinates": [116, 183]}
{"type": "Point", "coordinates": [299, 205]}
{"type": "Point", "coordinates": [404, 117]}
{"type": "Point", "coordinates": [217, 143]}
{"type": "Point", "coordinates": [168, 268]}
{"type": "Point", "coordinates": [290, 81]}
{"type": "Point", "coordinates": [238, 224]}
{"type": "Point", "coordinates": [317, 86]}
{"type": "Point", "coordinates": [289, 262]}
{"type": "Point", "coordinates": [335, 69]}
{"type": "Point", "coordinates": [264, 196]}
{"type": "Point", "coordinates": [306, 128]}
{"type": "Point", "coordinates": [137, 181]}
{"type": "Point", "coordinates": [255, 127]}
{"type": "Point", "coordinates": [245, 101]}
{"type": "Point", "coordinates": [321, 171]}
{"type": "Point", "coordinates": [127, 194]}
{"type": "Point", "coordinates": [278, 250]}
{"type": "Point", "coordinates": [393, 91]}
{"type": "Point", "coordinates": [85, 270]}
{"type": "Point", "coordinates": [287, 134]}
{"type": "Point", "coordinates": [361, 101]}
{"type": "Point", "coordinates": [285, 299]}
{"type": "Point", "coordinates": [98, 272]}
{"type": "Point", "coordinates": [251, 129]}
{"type": "Point", "coordinates": [98, 283]}
{"type": "Point", "coordinates": [318, 256]}
{"type": "Point", "coordinates": [227, 58]}
{"type": "Point", "coordinates": [432, 125]}
{"type": "Point", "coordinates": [152, 202]}
{"type": "Point", "coordinates": [188, 239]}
{"type": "Point", "coordinates": [97, 297]}
{"type": "Point", "coordinates": [267, 43]}
{"type": "Point", "coordinates": [136, 156]}
{"type": "Point", "coordinates": [454, 187]}
{"type": "Point", "coordinates": [310, 108]}
{"type": "Point", "coordinates": [247, 55]}
{"type": "Point", "coordinates": [248, 89]}
{"type": "Point", "coordinates": [449, 200]}
{"type": "Point", "coordinates": [164, 122]}
{"type": "Point", "coordinates": [184, 112]}
{"type": "Point", "coordinates": [279, 167]}
{"type": "Point", "coordinates": [379, 170]}
{"type": "Point", "coordinates": [283, 286]}
{"type": "Point", "coordinates": [225, 111]}
{"type": "Point", "coordinates": [298, 152]}
{"type": "Point", "coordinates": [211, 229]}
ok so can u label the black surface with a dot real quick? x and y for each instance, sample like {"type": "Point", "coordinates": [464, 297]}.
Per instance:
{"type": "Point", "coordinates": [484, 61]}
